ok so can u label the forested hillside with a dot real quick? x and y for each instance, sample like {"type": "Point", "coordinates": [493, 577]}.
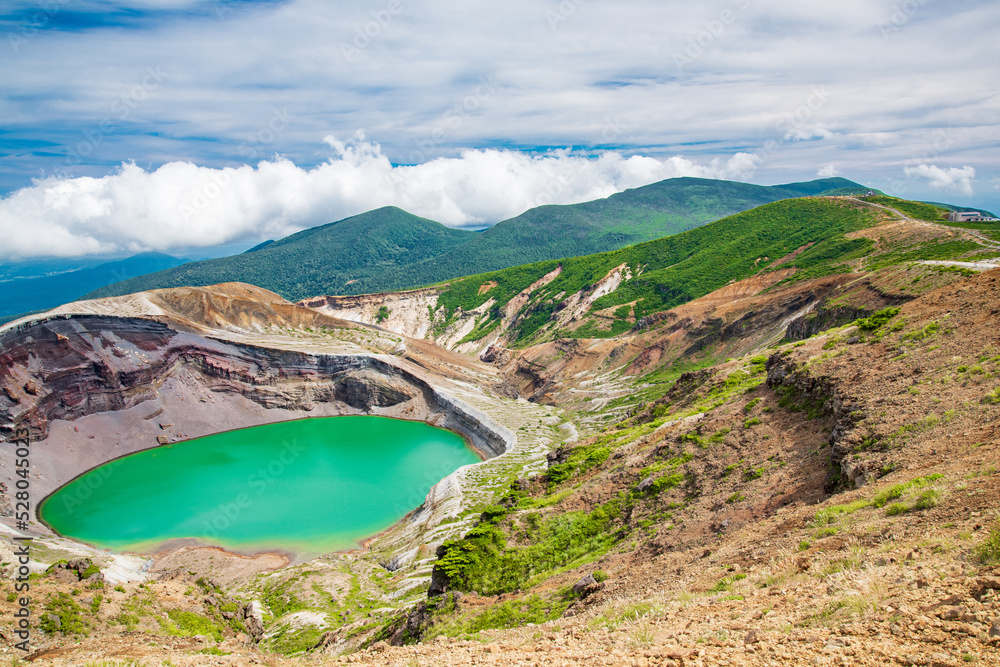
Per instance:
{"type": "Point", "coordinates": [357, 250]}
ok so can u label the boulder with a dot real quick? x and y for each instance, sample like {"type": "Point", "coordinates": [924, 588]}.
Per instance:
{"type": "Point", "coordinates": [582, 584]}
{"type": "Point", "coordinates": [587, 586]}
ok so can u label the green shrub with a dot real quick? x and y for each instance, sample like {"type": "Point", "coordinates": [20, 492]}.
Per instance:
{"type": "Point", "coordinates": [928, 331]}
{"type": "Point", "coordinates": [512, 614]}
{"type": "Point", "coordinates": [665, 482]}
{"type": "Point", "coordinates": [926, 500]}
{"type": "Point", "coordinates": [578, 461]}
{"type": "Point", "coordinates": [877, 320]}
{"type": "Point", "coordinates": [896, 509]}
{"type": "Point", "coordinates": [988, 551]}
{"type": "Point", "coordinates": [71, 619]}
{"type": "Point", "coordinates": [724, 584]}
{"type": "Point", "coordinates": [482, 561]}
{"type": "Point", "coordinates": [188, 624]}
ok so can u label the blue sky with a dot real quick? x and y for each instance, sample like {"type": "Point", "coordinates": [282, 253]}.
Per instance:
{"type": "Point", "coordinates": [165, 124]}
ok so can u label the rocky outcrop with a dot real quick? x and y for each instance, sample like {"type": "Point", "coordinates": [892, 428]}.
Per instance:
{"type": "Point", "coordinates": [409, 313]}
{"type": "Point", "coordinates": [822, 397]}
{"type": "Point", "coordinates": [78, 569]}
{"type": "Point", "coordinates": [414, 313]}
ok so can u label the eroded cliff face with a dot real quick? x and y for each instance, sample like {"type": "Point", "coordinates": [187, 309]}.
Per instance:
{"type": "Point", "coordinates": [415, 314]}
{"type": "Point", "coordinates": [408, 313]}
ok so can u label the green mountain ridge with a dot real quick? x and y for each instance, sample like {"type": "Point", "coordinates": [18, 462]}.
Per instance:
{"type": "Point", "coordinates": [390, 249]}
{"type": "Point", "coordinates": [305, 263]}
{"type": "Point", "coordinates": [629, 217]}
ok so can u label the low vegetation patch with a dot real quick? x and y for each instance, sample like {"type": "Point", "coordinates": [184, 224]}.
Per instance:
{"type": "Point", "coordinates": [482, 561]}
{"type": "Point", "coordinates": [63, 615]}
{"type": "Point", "coordinates": [188, 624]}
{"type": "Point", "coordinates": [534, 608]}
{"type": "Point", "coordinates": [988, 551]}
{"type": "Point", "coordinates": [578, 461]}
{"type": "Point", "coordinates": [877, 320]}
{"type": "Point", "coordinates": [830, 515]}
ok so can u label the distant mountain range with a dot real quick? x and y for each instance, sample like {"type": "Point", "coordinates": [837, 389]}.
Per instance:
{"type": "Point", "coordinates": [29, 294]}
{"type": "Point", "coordinates": [390, 249]}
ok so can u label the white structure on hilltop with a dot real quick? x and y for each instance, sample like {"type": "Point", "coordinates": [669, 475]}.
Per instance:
{"type": "Point", "coordinates": [970, 216]}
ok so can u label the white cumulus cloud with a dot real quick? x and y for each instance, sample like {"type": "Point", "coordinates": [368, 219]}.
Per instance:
{"type": "Point", "coordinates": [829, 171]}
{"type": "Point", "coordinates": [951, 179]}
{"type": "Point", "coordinates": [183, 205]}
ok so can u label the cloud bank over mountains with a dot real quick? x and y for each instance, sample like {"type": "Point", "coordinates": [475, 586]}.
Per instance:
{"type": "Point", "coordinates": [181, 204]}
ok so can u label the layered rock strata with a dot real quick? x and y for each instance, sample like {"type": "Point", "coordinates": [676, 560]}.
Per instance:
{"type": "Point", "coordinates": [93, 388]}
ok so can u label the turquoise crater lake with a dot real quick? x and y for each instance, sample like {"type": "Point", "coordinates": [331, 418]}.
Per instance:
{"type": "Point", "coordinates": [309, 487]}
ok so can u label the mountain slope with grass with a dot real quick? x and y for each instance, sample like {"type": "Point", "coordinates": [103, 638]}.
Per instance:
{"type": "Point", "coordinates": [834, 496]}
{"type": "Point", "coordinates": [899, 248]}
{"type": "Point", "coordinates": [390, 249]}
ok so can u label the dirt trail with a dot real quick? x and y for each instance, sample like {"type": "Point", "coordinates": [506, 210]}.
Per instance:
{"type": "Point", "coordinates": [975, 235]}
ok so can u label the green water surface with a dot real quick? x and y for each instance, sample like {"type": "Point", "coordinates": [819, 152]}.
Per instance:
{"type": "Point", "coordinates": [309, 486]}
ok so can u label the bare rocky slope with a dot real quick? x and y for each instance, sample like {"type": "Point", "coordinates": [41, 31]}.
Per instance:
{"type": "Point", "coordinates": [799, 472]}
